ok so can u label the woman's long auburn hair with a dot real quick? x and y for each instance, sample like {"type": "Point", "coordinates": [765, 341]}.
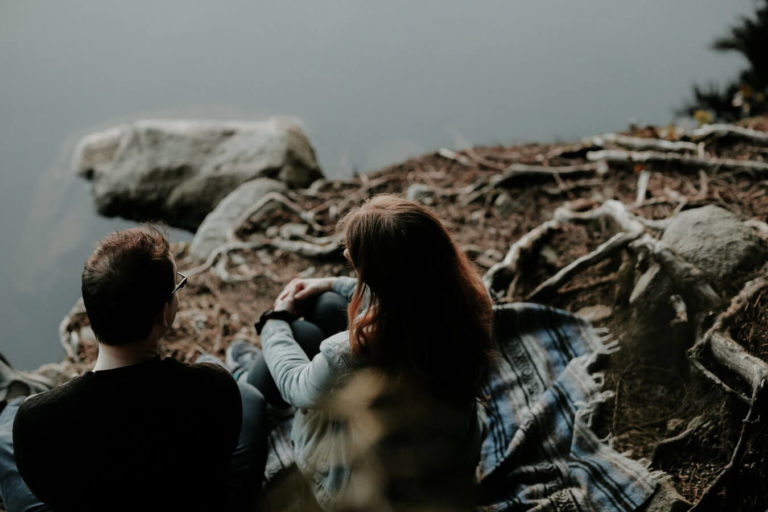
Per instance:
{"type": "Point", "coordinates": [428, 317]}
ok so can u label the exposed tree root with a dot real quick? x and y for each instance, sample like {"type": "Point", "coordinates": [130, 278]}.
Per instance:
{"type": "Point", "coordinates": [454, 156]}
{"type": "Point", "coordinates": [499, 276]}
{"type": "Point", "coordinates": [260, 205]}
{"type": "Point", "coordinates": [519, 172]}
{"type": "Point", "coordinates": [613, 211]}
{"type": "Point", "coordinates": [716, 348]}
{"type": "Point", "coordinates": [222, 251]}
{"type": "Point", "coordinates": [642, 187]}
{"type": "Point", "coordinates": [616, 243]}
{"type": "Point", "coordinates": [642, 144]}
{"type": "Point", "coordinates": [683, 161]}
{"type": "Point", "coordinates": [751, 422]}
{"type": "Point", "coordinates": [220, 269]}
{"type": "Point", "coordinates": [719, 131]}
{"type": "Point", "coordinates": [686, 276]}
{"type": "Point", "coordinates": [739, 302]}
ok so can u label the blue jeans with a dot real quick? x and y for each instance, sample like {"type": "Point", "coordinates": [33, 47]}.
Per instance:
{"type": "Point", "coordinates": [246, 470]}
{"type": "Point", "coordinates": [16, 495]}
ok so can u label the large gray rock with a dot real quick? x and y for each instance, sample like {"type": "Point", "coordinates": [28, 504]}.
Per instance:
{"type": "Point", "coordinates": [702, 259]}
{"type": "Point", "coordinates": [177, 171]}
{"type": "Point", "coordinates": [214, 229]}
{"type": "Point", "coordinates": [717, 242]}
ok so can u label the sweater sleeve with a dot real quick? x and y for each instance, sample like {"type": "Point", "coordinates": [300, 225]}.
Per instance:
{"type": "Point", "coordinates": [301, 382]}
{"type": "Point", "coordinates": [345, 286]}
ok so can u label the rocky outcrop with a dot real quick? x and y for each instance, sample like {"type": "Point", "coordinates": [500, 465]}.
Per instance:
{"type": "Point", "coordinates": [217, 224]}
{"type": "Point", "coordinates": [178, 171]}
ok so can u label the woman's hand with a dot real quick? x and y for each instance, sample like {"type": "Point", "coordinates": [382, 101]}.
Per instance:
{"type": "Point", "coordinates": [305, 288]}
{"type": "Point", "coordinates": [285, 303]}
{"type": "Point", "coordinates": [300, 289]}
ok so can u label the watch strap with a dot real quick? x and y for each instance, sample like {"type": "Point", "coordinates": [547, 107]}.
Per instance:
{"type": "Point", "coordinates": [271, 314]}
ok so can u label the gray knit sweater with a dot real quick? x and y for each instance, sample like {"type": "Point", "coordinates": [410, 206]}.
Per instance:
{"type": "Point", "coordinates": [324, 437]}
{"type": "Point", "coordinates": [320, 441]}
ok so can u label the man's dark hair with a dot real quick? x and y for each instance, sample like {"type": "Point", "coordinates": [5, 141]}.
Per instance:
{"type": "Point", "coordinates": [126, 282]}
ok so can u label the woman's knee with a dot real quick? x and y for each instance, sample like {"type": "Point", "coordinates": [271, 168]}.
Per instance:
{"type": "Point", "coordinates": [329, 312]}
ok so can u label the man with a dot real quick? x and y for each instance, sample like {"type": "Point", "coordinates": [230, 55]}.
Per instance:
{"type": "Point", "coordinates": [138, 432]}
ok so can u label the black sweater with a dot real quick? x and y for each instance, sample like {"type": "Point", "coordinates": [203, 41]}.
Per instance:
{"type": "Point", "coordinates": [153, 436]}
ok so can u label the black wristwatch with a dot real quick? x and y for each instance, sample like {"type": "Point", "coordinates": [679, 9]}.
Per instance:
{"type": "Point", "coordinates": [271, 314]}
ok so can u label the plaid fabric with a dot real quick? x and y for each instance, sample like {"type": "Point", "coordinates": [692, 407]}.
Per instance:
{"type": "Point", "coordinates": [539, 452]}
{"type": "Point", "coordinates": [279, 449]}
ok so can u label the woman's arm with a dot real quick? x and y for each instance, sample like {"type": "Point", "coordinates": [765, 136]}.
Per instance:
{"type": "Point", "coordinates": [301, 382]}
{"type": "Point", "coordinates": [345, 286]}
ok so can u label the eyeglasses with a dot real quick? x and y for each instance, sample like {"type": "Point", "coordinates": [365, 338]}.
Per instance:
{"type": "Point", "coordinates": [181, 283]}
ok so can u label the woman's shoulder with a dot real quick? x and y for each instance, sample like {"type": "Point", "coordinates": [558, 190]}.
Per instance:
{"type": "Point", "coordinates": [338, 351]}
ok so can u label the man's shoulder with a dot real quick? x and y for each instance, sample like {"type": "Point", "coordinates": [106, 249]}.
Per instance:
{"type": "Point", "coordinates": [208, 379]}
{"type": "Point", "coordinates": [47, 402]}
{"type": "Point", "coordinates": [206, 382]}
{"type": "Point", "coordinates": [204, 373]}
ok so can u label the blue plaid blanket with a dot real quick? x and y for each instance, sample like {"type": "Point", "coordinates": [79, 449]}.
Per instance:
{"type": "Point", "coordinates": [540, 452]}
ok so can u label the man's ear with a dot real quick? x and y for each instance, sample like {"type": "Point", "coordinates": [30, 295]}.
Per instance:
{"type": "Point", "coordinates": [167, 315]}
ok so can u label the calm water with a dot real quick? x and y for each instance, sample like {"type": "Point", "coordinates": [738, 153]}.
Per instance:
{"type": "Point", "coordinates": [374, 83]}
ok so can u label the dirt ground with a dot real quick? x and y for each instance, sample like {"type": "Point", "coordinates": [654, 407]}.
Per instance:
{"type": "Point", "coordinates": [651, 403]}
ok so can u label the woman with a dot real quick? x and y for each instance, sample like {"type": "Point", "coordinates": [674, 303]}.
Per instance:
{"type": "Point", "coordinates": [419, 316]}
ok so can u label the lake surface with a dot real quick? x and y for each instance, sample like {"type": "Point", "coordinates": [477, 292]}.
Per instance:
{"type": "Point", "coordinates": [373, 82]}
